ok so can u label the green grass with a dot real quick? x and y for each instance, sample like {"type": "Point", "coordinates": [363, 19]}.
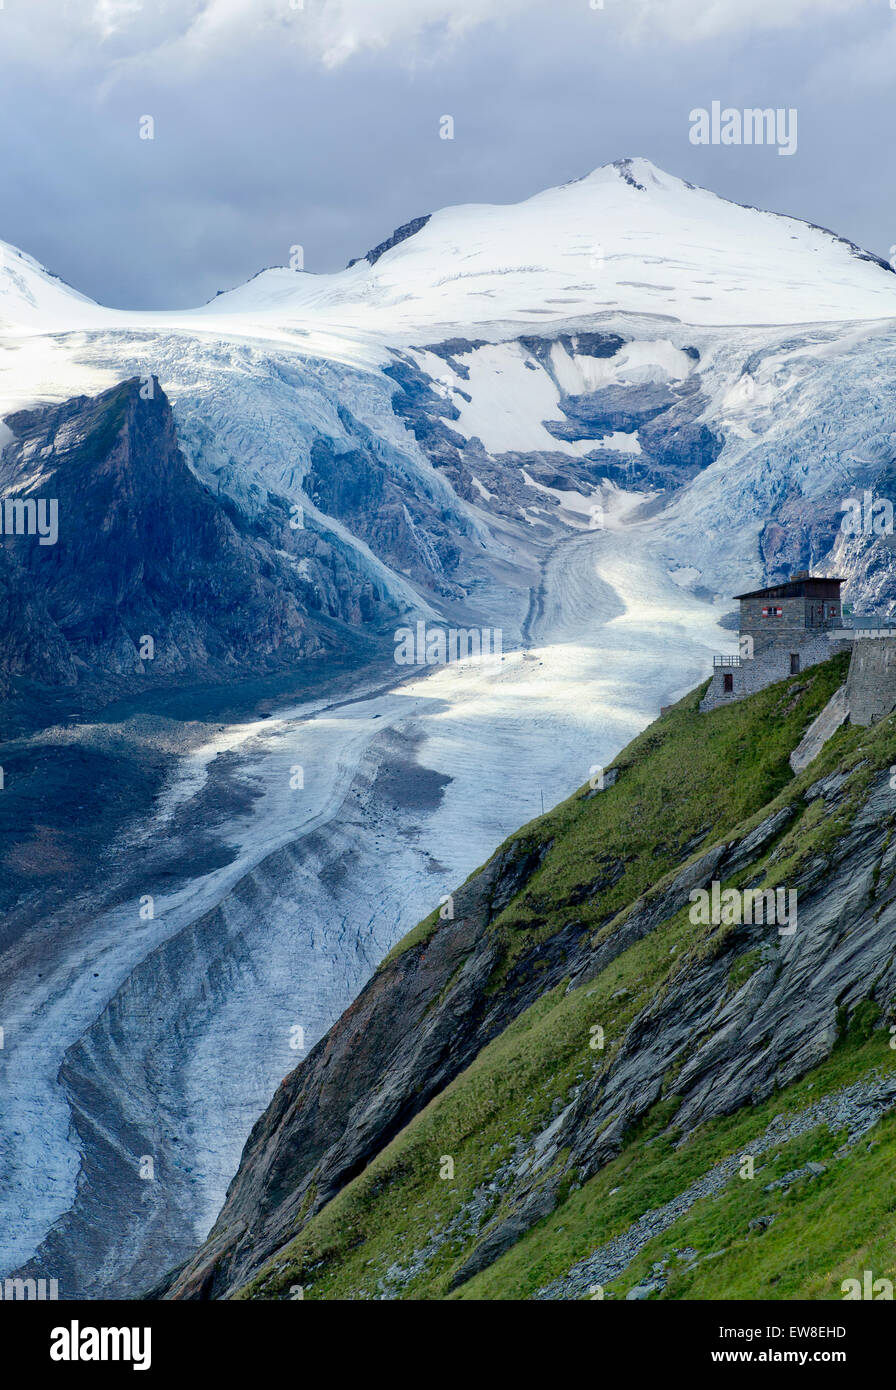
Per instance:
{"type": "Point", "coordinates": [825, 1229]}
{"type": "Point", "coordinates": [686, 782]}
{"type": "Point", "coordinates": [649, 1174]}
{"type": "Point", "coordinates": [505, 1095]}
{"type": "Point", "coordinates": [742, 969]}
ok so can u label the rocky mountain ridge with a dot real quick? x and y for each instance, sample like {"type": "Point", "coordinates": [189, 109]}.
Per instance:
{"type": "Point", "coordinates": [152, 577]}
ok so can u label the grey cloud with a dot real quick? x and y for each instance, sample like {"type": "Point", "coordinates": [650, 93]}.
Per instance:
{"type": "Point", "coordinates": [262, 143]}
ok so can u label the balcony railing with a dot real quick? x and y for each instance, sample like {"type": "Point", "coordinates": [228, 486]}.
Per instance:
{"type": "Point", "coordinates": [858, 622]}
{"type": "Point", "coordinates": [727, 661]}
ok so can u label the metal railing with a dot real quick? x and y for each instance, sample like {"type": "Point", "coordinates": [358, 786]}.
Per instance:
{"type": "Point", "coordinates": [727, 660]}
{"type": "Point", "coordinates": [859, 622]}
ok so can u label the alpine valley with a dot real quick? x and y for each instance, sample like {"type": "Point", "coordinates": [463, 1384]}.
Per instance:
{"type": "Point", "coordinates": [241, 844]}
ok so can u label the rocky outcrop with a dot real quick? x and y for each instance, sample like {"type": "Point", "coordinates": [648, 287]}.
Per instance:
{"type": "Point", "coordinates": [358, 490]}
{"type": "Point", "coordinates": [820, 730]}
{"type": "Point", "coordinates": [400, 234]}
{"type": "Point", "coordinates": [368, 1078]}
{"type": "Point", "coordinates": [674, 444]}
{"type": "Point", "coordinates": [151, 578]}
{"type": "Point", "coordinates": [735, 1048]}
{"type": "Point", "coordinates": [856, 1108]}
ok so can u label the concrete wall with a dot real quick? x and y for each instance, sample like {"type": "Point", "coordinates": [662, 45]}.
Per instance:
{"type": "Point", "coordinates": [871, 683]}
{"type": "Point", "coordinates": [770, 666]}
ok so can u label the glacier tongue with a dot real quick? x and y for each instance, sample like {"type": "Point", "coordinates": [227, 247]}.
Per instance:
{"type": "Point", "coordinates": [169, 1037]}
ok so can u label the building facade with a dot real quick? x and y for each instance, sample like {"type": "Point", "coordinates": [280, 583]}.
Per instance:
{"type": "Point", "coordinates": [783, 629]}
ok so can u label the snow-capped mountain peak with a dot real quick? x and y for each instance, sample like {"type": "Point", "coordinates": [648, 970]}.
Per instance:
{"type": "Point", "coordinates": [626, 238]}
{"type": "Point", "coordinates": [30, 295]}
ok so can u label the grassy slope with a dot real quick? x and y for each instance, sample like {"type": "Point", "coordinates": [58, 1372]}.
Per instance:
{"type": "Point", "coordinates": [826, 1229]}
{"type": "Point", "coordinates": [686, 782]}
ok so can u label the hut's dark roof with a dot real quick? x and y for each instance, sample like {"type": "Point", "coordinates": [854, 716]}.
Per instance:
{"type": "Point", "coordinates": [807, 586]}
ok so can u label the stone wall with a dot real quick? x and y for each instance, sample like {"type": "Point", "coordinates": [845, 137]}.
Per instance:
{"type": "Point", "coordinates": [772, 665]}
{"type": "Point", "coordinates": [871, 683]}
{"type": "Point", "coordinates": [799, 617]}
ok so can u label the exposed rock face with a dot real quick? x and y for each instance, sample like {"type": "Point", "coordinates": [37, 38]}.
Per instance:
{"type": "Point", "coordinates": [779, 1023]}
{"type": "Point", "coordinates": [400, 234]}
{"type": "Point", "coordinates": [31, 641]}
{"type": "Point", "coordinates": [357, 490]}
{"type": "Point", "coordinates": [367, 1078]}
{"type": "Point", "coordinates": [145, 551]}
{"type": "Point", "coordinates": [856, 1108]}
{"type": "Point", "coordinates": [673, 443]}
{"type": "Point", "coordinates": [820, 730]}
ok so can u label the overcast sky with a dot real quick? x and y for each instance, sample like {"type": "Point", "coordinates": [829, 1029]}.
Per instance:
{"type": "Point", "coordinates": [278, 123]}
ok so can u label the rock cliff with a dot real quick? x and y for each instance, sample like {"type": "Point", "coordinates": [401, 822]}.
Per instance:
{"type": "Point", "coordinates": [145, 551]}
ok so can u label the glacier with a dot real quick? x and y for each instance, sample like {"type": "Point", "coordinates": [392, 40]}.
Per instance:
{"type": "Point", "coordinates": [595, 415]}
